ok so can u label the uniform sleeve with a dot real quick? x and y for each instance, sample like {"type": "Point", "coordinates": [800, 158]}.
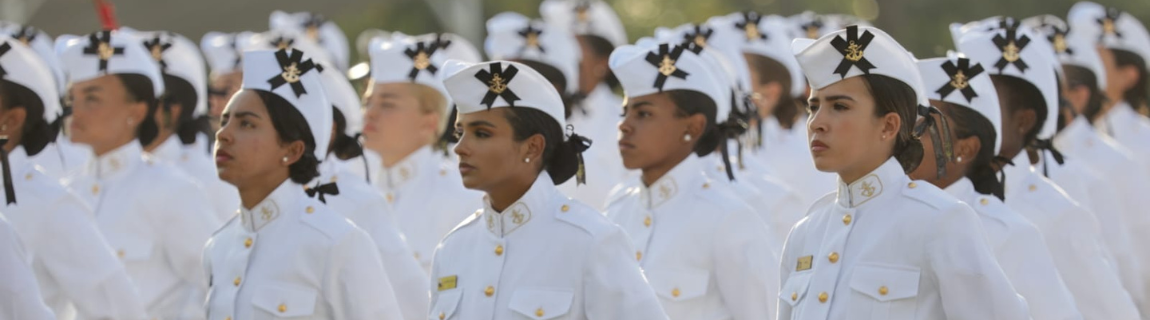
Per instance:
{"type": "Point", "coordinates": [19, 294]}
{"type": "Point", "coordinates": [745, 266]}
{"type": "Point", "coordinates": [187, 223]}
{"type": "Point", "coordinates": [614, 286]}
{"type": "Point", "coordinates": [786, 214]}
{"type": "Point", "coordinates": [355, 284]}
{"type": "Point", "coordinates": [967, 272]}
{"type": "Point", "coordinates": [786, 257]}
{"type": "Point", "coordinates": [403, 270]}
{"type": "Point", "coordinates": [1082, 261]}
{"type": "Point", "coordinates": [83, 266]}
{"type": "Point", "coordinates": [1026, 260]}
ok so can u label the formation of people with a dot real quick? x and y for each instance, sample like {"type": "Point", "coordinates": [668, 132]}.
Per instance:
{"type": "Point", "coordinates": [751, 166]}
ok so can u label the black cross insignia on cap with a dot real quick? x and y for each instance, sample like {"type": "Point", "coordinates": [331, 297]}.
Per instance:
{"type": "Point", "coordinates": [282, 42]}
{"type": "Point", "coordinates": [4, 48]}
{"type": "Point", "coordinates": [293, 69]}
{"type": "Point", "coordinates": [812, 28]}
{"type": "Point", "coordinates": [235, 47]}
{"type": "Point", "coordinates": [750, 26]}
{"type": "Point", "coordinates": [25, 34]}
{"type": "Point", "coordinates": [498, 81]}
{"type": "Point", "coordinates": [696, 39]}
{"type": "Point", "coordinates": [853, 48]}
{"type": "Point", "coordinates": [581, 11]}
{"type": "Point", "coordinates": [100, 46]}
{"type": "Point", "coordinates": [531, 37]}
{"type": "Point", "coordinates": [960, 76]}
{"type": "Point", "coordinates": [440, 42]}
{"type": "Point", "coordinates": [665, 61]}
{"type": "Point", "coordinates": [157, 46]}
{"type": "Point", "coordinates": [421, 59]}
{"type": "Point", "coordinates": [311, 26]}
{"type": "Point", "coordinates": [1109, 23]}
{"type": "Point", "coordinates": [1011, 46]}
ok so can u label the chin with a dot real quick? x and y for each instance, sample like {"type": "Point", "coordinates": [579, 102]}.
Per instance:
{"type": "Point", "coordinates": [471, 183]}
{"type": "Point", "coordinates": [826, 165]}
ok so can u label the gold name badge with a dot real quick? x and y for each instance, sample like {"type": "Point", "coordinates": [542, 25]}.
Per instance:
{"type": "Point", "coordinates": [804, 263]}
{"type": "Point", "coordinates": [448, 283]}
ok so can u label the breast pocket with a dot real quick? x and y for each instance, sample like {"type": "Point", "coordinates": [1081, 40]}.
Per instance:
{"type": "Point", "coordinates": [284, 302]}
{"type": "Point", "coordinates": [884, 292]}
{"type": "Point", "coordinates": [446, 305]}
{"type": "Point", "coordinates": [542, 303]}
{"type": "Point", "coordinates": [679, 285]}
{"type": "Point", "coordinates": [133, 250]}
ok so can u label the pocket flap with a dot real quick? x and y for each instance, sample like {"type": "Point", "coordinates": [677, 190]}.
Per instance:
{"type": "Point", "coordinates": [795, 288]}
{"type": "Point", "coordinates": [541, 303]}
{"type": "Point", "coordinates": [885, 283]}
{"type": "Point", "coordinates": [679, 285]}
{"type": "Point", "coordinates": [446, 305]}
{"type": "Point", "coordinates": [285, 301]}
{"type": "Point", "coordinates": [134, 250]}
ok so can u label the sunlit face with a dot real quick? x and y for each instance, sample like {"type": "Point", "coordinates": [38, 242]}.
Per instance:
{"type": "Point", "coordinates": [102, 115]}
{"type": "Point", "coordinates": [843, 129]}
{"type": "Point", "coordinates": [489, 156]}
{"type": "Point", "coordinates": [395, 121]}
{"type": "Point", "coordinates": [247, 145]}
{"type": "Point", "coordinates": [652, 132]}
{"type": "Point", "coordinates": [223, 87]}
{"type": "Point", "coordinates": [592, 68]}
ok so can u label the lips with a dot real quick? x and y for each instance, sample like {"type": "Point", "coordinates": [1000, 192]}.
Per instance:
{"type": "Point", "coordinates": [465, 168]}
{"type": "Point", "coordinates": [624, 145]}
{"type": "Point", "coordinates": [222, 157]}
{"type": "Point", "coordinates": [818, 146]}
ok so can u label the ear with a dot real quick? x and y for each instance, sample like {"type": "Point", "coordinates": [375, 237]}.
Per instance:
{"type": "Point", "coordinates": [294, 151]}
{"type": "Point", "coordinates": [138, 111]}
{"type": "Point", "coordinates": [13, 118]}
{"type": "Point", "coordinates": [533, 147]}
{"type": "Point", "coordinates": [696, 124]}
{"type": "Point", "coordinates": [891, 123]}
{"type": "Point", "coordinates": [968, 147]}
{"type": "Point", "coordinates": [1026, 119]}
{"type": "Point", "coordinates": [1128, 75]}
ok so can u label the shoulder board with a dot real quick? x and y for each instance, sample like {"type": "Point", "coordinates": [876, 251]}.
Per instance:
{"type": "Point", "coordinates": [471, 218]}
{"type": "Point", "coordinates": [234, 220]}
{"type": "Point", "coordinates": [583, 217]}
{"type": "Point", "coordinates": [928, 194]}
{"type": "Point", "coordinates": [323, 219]}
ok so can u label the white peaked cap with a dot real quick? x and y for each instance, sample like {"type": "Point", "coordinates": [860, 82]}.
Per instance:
{"type": "Point", "coordinates": [1111, 28]}
{"type": "Point", "coordinates": [767, 36]}
{"type": "Point", "coordinates": [23, 66]}
{"type": "Point", "coordinates": [289, 74]}
{"type": "Point", "coordinates": [317, 29]}
{"type": "Point", "coordinates": [344, 98]}
{"type": "Point", "coordinates": [104, 53]}
{"type": "Point", "coordinates": [857, 51]}
{"type": "Point", "coordinates": [652, 67]}
{"type": "Point", "coordinates": [42, 44]}
{"type": "Point", "coordinates": [585, 17]}
{"type": "Point", "coordinates": [500, 84]}
{"type": "Point", "coordinates": [223, 51]}
{"type": "Point", "coordinates": [286, 39]}
{"type": "Point", "coordinates": [966, 83]}
{"type": "Point", "coordinates": [179, 57]}
{"type": "Point", "coordinates": [1072, 46]}
{"type": "Point", "coordinates": [512, 36]}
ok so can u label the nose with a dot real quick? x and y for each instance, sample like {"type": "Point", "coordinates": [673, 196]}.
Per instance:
{"type": "Point", "coordinates": [224, 135]}
{"type": "Point", "coordinates": [624, 127]}
{"type": "Point", "coordinates": [461, 148]}
{"type": "Point", "coordinates": [817, 122]}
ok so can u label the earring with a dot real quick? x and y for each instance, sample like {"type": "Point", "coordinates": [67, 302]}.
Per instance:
{"type": "Point", "coordinates": [526, 160]}
{"type": "Point", "coordinates": [285, 159]}
{"type": "Point", "coordinates": [4, 127]}
{"type": "Point", "coordinates": [884, 137]}
{"type": "Point", "coordinates": [687, 137]}
{"type": "Point", "coordinates": [959, 160]}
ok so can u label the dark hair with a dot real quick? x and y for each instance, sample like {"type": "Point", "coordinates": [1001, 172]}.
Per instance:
{"type": "Point", "coordinates": [37, 133]}
{"type": "Point", "coordinates": [343, 146]}
{"type": "Point", "coordinates": [893, 96]}
{"type": "Point", "coordinates": [181, 92]}
{"type": "Point", "coordinates": [553, 75]}
{"type": "Point", "coordinates": [1079, 76]}
{"type": "Point", "coordinates": [292, 126]}
{"type": "Point", "coordinates": [1021, 94]}
{"type": "Point", "coordinates": [770, 70]}
{"type": "Point", "coordinates": [1139, 95]}
{"type": "Point", "coordinates": [560, 161]}
{"type": "Point", "coordinates": [968, 123]}
{"type": "Point", "coordinates": [140, 89]}
{"type": "Point", "coordinates": [689, 103]}
{"type": "Point", "coordinates": [603, 48]}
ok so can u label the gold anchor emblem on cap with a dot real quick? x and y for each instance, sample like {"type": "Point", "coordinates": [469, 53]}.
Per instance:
{"type": "Point", "coordinates": [497, 85]}
{"type": "Point", "coordinates": [533, 39]}
{"type": "Point", "coordinates": [313, 32]}
{"type": "Point", "coordinates": [1010, 52]}
{"type": "Point", "coordinates": [1108, 26]}
{"type": "Point", "coordinates": [752, 31]}
{"type": "Point", "coordinates": [959, 81]}
{"type": "Point", "coordinates": [422, 61]}
{"type": "Point", "coordinates": [1060, 43]}
{"type": "Point", "coordinates": [812, 32]}
{"type": "Point", "coordinates": [700, 40]}
{"type": "Point", "coordinates": [105, 51]}
{"type": "Point", "coordinates": [291, 73]}
{"type": "Point", "coordinates": [667, 66]}
{"type": "Point", "coordinates": [854, 52]}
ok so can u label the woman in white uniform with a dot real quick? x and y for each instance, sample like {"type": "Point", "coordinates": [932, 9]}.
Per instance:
{"type": "Point", "coordinates": [404, 116]}
{"type": "Point", "coordinates": [19, 294]}
{"type": "Point", "coordinates": [78, 273]}
{"type": "Point", "coordinates": [154, 216]}
{"type": "Point", "coordinates": [222, 51]}
{"type": "Point", "coordinates": [1025, 80]}
{"type": "Point", "coordinates": [530, 252]}
{"type": "Point", "coordinates": [965, 95]}
{"type": "Point", "coordinates": [287, 254]}
{"type": "Point", "coordinates": [883, 246]}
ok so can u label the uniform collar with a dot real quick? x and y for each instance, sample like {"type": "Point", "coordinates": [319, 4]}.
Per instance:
{"type": "Point", "coordinates": [537, 201]}
{"type": "Point", "coordinates": [871, 186]}
{"type": "Point", "coordinates": [686, 174]}
{"type": "Point", "coordinates": [17, 159]}
{"type": "Point", "coordinates": [1074, 136]}
{"type": "Point", "coordinates": [1018, 174]}
{"type": "Point", "coordinates": [1113, 122]}
{"type": "Point", "coordinates": [407, 170]}
{"type": "Point", "coordinates": [331, 169]}
{"type": "Point", "coordinates": [170, 150]}
{"type": "Point", "coordinates": [116, 162]}
{"type": "Point", "coordinates": [281, 201]}
{"type": "Point", "coordinates": [963, 189]}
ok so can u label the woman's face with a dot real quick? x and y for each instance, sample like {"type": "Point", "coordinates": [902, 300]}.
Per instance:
{"type": "Point", "coordinates": [592, 68]}
{"type": "Point", "coordinates": [247, 145]}
{"type": "Point", "coordinates": [489, 156]}
{"type": "Point", "coordinates": [652, 132]}
{"type": "Point", "coordinates": [222, 88]}
{"type": "Point", "coordinates": [102, 115]}
{"type": "Point", "coordinates": [843, 131]}
{"type": "Point", "coordinates": [928, 169]}
{"type": "Point", "coordinates": [395, 122]}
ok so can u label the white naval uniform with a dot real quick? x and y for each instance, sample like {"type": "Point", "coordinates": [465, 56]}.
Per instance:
{"type": "Point", "coordinates": [604, 164]}
{"type": "Point", "coordinates": [1021, 252]}
{"type": "Point", "coordinates": [706, 254]}
{"type": "Point", "coordinates": [157, 219]}
{"type": "Point", "coordinates": [426, 197]}
{"type": "Point", "coordinates": [1129, 128]}
{"type": "Point", "coordinates": [886, 247]}
{"type": "Point", "coordinates": [364, 205]}
{"type": "Point", "coordinates": [784, 206]}
{"type": "Point", "coordinates": [789, 152]}
{"type": "Point", "coordinates": [545, 257]}
{"type": "Point", "coordinates": [63, 159]}
{"type": "Point", "coordinates": [291, 257]}
{"type": "Point", "coordinates": [78, 272]}
{"type": "Point", "coordinates": [20, 297]}
{"type": "Point", "coordinates": [1073, 236]}
{"type": "Point", "coordinates": [201, 167]}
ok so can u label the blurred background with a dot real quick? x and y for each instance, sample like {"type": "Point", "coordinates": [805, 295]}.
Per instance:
{"type": "Point", "coordinates": [920, 25]}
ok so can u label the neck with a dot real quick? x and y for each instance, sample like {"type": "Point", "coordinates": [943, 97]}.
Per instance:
{"type": "Point", "coordinates": [656, 172]}
{"type": "Point", "coordinates": [14, 141]}
{"type": "Point", "coordinates": [851, 175]}
{"type": "Point", "coordinates": [508, 193]}
{"type": "Point", "coordinates": [162, 137]}
{"type": "Point", "coordinates": [251, 194]}
{"type": "Point", "coordinates": [391, 159]}
{"type": "Point", "coordinates": [106, 148]}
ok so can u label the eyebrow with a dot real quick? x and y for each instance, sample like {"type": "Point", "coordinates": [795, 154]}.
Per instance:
{"type": "Point", "coordinates": [637, 105]}
{"type": "Point", "coordinates": [480, 123]}
{"type": "Point", "coordinates": [92, 89]}
{"type": "Point", "coordinates": [241, 114]}
{"type": "Point", "coordinates": [832, 98]}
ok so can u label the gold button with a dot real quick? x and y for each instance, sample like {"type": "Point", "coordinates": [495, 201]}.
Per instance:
{"type": "Point", "coordinates": [499, 250]}
{"type": "Point", "coordinates": [228, 318]}
{"type": "Point", "coordinates": [638, 255]}
{"type": "Point", "coordinates": [823, 297]}
{"type": "Point", "coordinates": [310, 209]}
{"type": "Point", "coordinates": [539, 312]}
{"type": "Point", "coordinates": [675, 292]}
{"type": "Point", "coordinates": [28, 176]}
{"type": "Point", "coordinates": [912, 185]}
{"type": "Point", "coordinates": [283, 308]}
{"type": "Point", "coordinates": [248, 243]}
{"type": "Point", "coordinates": [120, 253]}
{"type": "Point", "coordinates": [95, 189]}
{"type": "Point", "coordinates": [647, 221]}
{"type": "Point", "coordinates": [442, 316]}
{"type": "Point", "coordinates": [1033, 188]}
{"type": "Point", "coordinates": [334, 178]}
{"type": "Point", "coordinates": [706, 185]}
{"type": "Point", "coordinates": [236, 282]}
{"type": "Point", "coordinates": [833, 257]}
{"type": "Point", "coordinates": [847, 220]}
{"type": "Point", "coordinates": [883, 290]}
{"type": "Point", "coordinates": [442, 172]}
{"type": "Point", "coordinates": [984, 201]}
{"type": "Point", "coordinates": [565, 208]}
{"type": "Point", "coordinates": [794, 296]}
{"type": "Point", "coordinates": [390, 198]}
{"type": "Point", "coordinates": [490, 291]}
{"type": "Point", "coordinates": [719, 168]}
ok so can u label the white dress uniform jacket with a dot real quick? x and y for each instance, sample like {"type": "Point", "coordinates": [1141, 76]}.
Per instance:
{"type": "Point", "coordinates": [1129, 128]}
{"type": "Point", "coordinates": [19, 294]}
{"type": "Point", "coordinates": [63, 159]}
{"type": "Point", "coordinates": [201, 167]}
{"type": "Point", "coordinates": [78, 273]}
{"type": "Point", "coordinates": [706, 254]}
{"type": "Point", "coordinates": [291, 257]}
{"type": "Point", "coordinates": [1021, 252]}
{"type": "Point", "coordinates": [600, 119]}
{"type": "Point", "coordinates": [789, 152]}
{"type": "Point", "coordinates": [886, 247]}
{"type": "Point", "coordinates": [544, 257]}
{"type": "Point", "coordinates": [782, 206]}
{"type": "Point", "coordinates": [364, 205]}
{"type": "Point", "coordinates": [157, 219]}
{"type": "Point", "coordinates": [1073, 236]}
{"type": "Point", "coordinates": [415, 189]}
